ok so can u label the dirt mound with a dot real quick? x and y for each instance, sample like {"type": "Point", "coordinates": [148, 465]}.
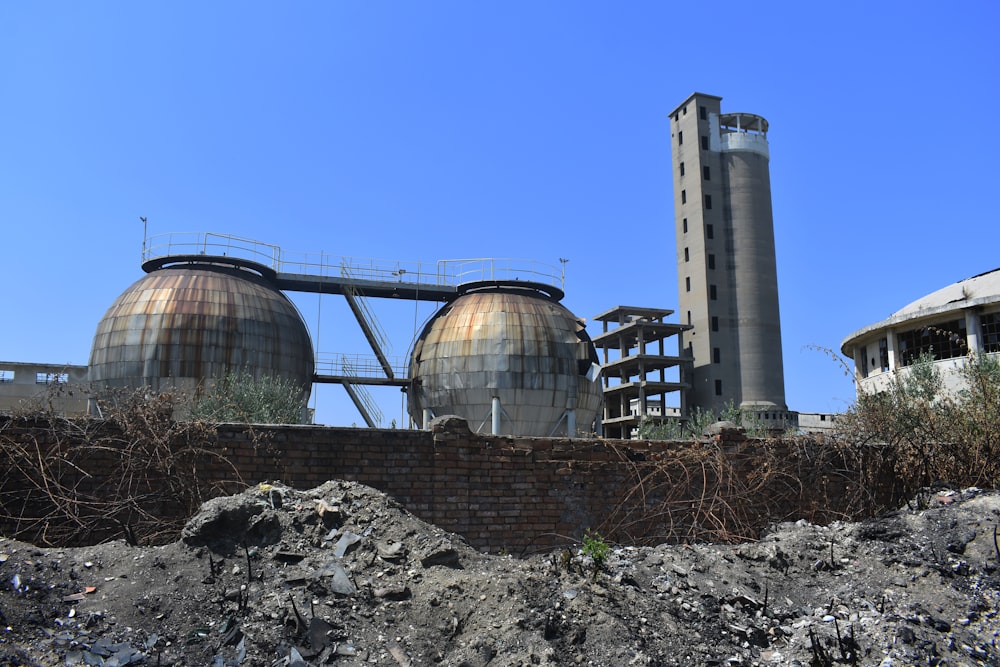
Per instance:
{"type": "Point", "coordinates": [342, 575]}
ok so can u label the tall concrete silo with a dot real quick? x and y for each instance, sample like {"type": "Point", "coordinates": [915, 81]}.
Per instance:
{"type": "Point", "coordinates": [727, 270]}
{"type": "Point", "coordinates": [183, 324]}
{"type": "Point", "coordinates": [510, 359]}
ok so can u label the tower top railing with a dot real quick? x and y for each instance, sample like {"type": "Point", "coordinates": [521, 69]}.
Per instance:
{"type": "Point", "coordinates": [446, 272]}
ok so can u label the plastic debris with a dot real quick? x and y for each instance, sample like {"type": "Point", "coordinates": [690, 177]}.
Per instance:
{"type": "Point", "coordinates": [346, 541]}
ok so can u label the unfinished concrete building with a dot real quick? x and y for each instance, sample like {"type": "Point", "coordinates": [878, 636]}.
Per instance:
{"type": "Point", "coordinates": [727, 274]}
{"type": "Point", "coordinates": [638, 370]}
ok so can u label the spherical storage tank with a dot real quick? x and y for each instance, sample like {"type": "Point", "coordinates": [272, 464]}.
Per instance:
{"type": "Point", "coordinates": [510, 346]}
{"type": "Point", "coordinates": [184, 324]}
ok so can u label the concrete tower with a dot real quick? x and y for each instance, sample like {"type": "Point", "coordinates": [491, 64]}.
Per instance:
{"type": "Point", "coordinates": [726, 269]}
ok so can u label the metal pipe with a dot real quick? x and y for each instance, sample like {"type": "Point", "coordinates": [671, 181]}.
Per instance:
{"type": "Point", "coordinates": [497, 409]}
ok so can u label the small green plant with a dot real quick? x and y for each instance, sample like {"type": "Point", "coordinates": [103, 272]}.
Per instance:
{"type": "Point", "coordinates": [596, 548]}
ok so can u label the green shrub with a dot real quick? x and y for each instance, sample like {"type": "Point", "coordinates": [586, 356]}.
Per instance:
{"type": "Point", "coordinates": [926, 434]}
{"type": "Point", "coordinates": [699, 421]}
{"type": "Point", "coordinates": [241, 397]}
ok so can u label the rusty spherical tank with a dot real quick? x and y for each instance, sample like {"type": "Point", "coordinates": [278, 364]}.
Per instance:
{"type": "Point", "coordinates": [513, 343]}
{"type": "Point", "coordinates": [181, 325]}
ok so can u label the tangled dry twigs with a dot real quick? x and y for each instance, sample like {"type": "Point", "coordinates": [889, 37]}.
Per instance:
{"type": "Point", "coordinates": [699, 492]}
{"type": "Point", "coordinates": [132, 475]}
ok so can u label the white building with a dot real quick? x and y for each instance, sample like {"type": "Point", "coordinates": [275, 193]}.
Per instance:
{"type": "Point", "coordinates": [947, 324]}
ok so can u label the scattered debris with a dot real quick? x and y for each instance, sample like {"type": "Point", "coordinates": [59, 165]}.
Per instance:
{"type": "Point", "coordinates": [341, 575]}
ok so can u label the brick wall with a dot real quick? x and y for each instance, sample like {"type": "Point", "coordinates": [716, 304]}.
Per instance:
{"type": "Point", "coordinates": [516, 494]}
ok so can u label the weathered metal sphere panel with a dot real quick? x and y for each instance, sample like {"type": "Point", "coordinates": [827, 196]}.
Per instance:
{"type": "Point", "coordinates": [520, 346]}
{"type": "Point", "coordinates": [180, 326]}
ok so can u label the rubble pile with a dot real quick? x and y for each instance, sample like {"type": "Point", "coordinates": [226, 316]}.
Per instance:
{"type": "Point", "coordinates": [342, 575]}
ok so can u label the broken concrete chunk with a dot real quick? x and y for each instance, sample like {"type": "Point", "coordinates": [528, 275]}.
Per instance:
{"type": "Point", "coordinates": [328, 513]}
{"type": "Point", "coordinates": [392, 552]}
{"type": "Point", "coordinates": [223, 523]}
{"type": "Point", "coordinates": [395, 592]}
{"type": "Point", "coordinates": [442, 553]}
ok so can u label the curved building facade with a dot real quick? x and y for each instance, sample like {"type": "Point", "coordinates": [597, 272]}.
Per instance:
{"type": "Point", "coordinates": [182, 325]}
{"type": "Point", "coordinates": [508, 358]}
{"type": "Point", "coordinates": [946, 325]}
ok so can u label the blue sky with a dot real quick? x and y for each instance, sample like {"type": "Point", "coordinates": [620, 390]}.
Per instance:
{"type": "Point", "coordinates": [435, 130]}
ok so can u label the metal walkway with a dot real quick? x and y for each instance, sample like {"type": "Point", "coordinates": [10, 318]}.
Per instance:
{"type": "Point", "coordinates": [355, 279]}
{"type": "Point", "coordinates": [319, 272]}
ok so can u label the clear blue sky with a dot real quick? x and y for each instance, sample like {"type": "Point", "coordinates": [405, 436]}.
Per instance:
{"type": "Point", "coordinates": [434, 130]}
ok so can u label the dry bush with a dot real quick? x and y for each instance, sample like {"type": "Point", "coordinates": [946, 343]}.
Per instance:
{"type": "Point", "coordinates": [702, 491]}
{"type": "Point", "coordinates": [134, 474]}
{"type": "Point", "coordinates": [889, 449]}
{"type": "Point", "coordinates": [920, 435]}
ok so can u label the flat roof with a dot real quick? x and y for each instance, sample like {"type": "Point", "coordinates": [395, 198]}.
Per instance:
{"type": "Point", "coordinates": [614, 314]}
{"type": "Point", "coordinates": [691, 97]}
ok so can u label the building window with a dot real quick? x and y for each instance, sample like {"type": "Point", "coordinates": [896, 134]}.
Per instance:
{"type": "Point", "coordinates": [687, 284]}
{"type": "Point", "coordinates": [684, 225]}
{"type": "Point", "coordinates": [704, 142]}
{"type": "Point", "coordinates": [708, 202]}
{"type": "Point", "coordinates": [707, 172]}
{"type": "Point", "coordinates": [709, 232]}
{"type": "Point", "coordinates": [680, 138]}
{"type": "Point", "coordinates": [51, 378]}
{"type": "Point", "coordinates": [703, 113]}
{"type": "Point", "coordinates": [716, 355]}
{"type": "Point", "coordinates": [990, 325]}
{"type": "Point", "coordinates": [715, 323]}
{"type": "Point", "coordinates": [711, 262]}
{"type": "Point", "coordinates": [945, 340]}
{"type": "Point", "coordinates": [7, 375]}
{"type": "Point", "coordinates": [883, 354]}
{"type": "Point", "coordinates": [687, 255]}
{"type": "Point", "coordinates": [677, 118]}
{"type": "Point", "coordinates": [864, 362]}
{"type": "Point", "coordinates": [682, 168]}
{"type": "Point", "coordinates": [718, 387]}
{"type": "Point", "coordinates": [689, 317]}
{"type": "Point", "coordinates": [712, 294]}
{"type": "Point", "coordinates": [684, 196]}
{"type": "Point", "coordinates": [684, 110]}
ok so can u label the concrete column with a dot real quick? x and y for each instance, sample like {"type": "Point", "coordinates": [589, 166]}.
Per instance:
{"type": "Point", "coordinates": [972, 331]}
{"type": "Point", "coordinates": [890, 339]}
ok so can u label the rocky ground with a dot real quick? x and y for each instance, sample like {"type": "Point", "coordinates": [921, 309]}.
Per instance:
{"type": "Point", "coordinates": [342, 575]}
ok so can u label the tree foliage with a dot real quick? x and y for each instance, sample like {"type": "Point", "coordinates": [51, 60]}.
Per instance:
{"type": "Point", "coordinates": [241, 397]}
{"type": "Point", "coordinates": [926, 433]}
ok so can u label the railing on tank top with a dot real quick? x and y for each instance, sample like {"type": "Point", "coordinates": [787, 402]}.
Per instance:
{"type": "Point", "coordinates": [447, 272]}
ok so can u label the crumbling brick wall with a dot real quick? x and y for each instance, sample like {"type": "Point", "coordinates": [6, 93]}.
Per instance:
{"type": "Point", "coordinates": [522, 494]}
